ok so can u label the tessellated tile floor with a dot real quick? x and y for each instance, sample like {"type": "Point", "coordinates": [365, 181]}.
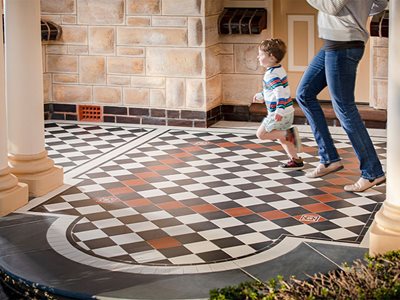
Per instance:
{"type": "Point", "coordinates": [170, 213]}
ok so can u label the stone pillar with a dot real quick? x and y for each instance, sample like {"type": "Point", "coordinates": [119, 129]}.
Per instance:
{"type": "Point", "coordinates": [13, 195]}
{"type": "Point", "coordinates": [24, 93]}
{"type": "Point", "coordinates": [385, 230]}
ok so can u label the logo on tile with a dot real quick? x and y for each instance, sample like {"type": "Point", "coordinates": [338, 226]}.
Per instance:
{"type": "Point", "coordinates": [310, 218]}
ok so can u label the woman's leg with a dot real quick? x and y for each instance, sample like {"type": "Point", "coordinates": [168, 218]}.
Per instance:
{"type": "Point", "coordinates": [341, 69]}
{"type": "Point", "coordinates": [311, 84]}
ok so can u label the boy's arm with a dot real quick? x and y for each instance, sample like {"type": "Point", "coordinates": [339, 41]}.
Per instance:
{"type": "Point", "coordinates": [378, 6]}
{"type": "Point", "coordinates": [331, 7]}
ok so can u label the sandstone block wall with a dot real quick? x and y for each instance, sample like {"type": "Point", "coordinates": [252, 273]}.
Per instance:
{"type": "Point", "coordinates": [126, 52]}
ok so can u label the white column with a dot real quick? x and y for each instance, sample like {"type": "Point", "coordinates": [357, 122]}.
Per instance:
{"type": "Point", "coordinates": [12, 194]}
{"type": "Point", "coordinates": [24, 94]}
{"type": "Point", "coordinates": [385, 230]}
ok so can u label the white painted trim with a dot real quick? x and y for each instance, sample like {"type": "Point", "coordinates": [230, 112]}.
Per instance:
{"type": "Point", "coordinates": [310, 43]}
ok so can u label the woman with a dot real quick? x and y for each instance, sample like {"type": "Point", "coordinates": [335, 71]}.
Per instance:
{"type": "Point", "coordinates": [341, 25]}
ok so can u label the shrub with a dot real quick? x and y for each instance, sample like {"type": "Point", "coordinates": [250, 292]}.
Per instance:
{"type": "Point", "coordinates": [375, 277]}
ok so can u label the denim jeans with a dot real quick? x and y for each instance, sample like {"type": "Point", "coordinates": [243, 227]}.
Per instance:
{"type": "Point", "coordinates": [337, 70]}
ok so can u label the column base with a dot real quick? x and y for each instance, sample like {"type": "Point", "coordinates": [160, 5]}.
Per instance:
{"type": "Point", "coordinates": [12, 199]}
{"type": "Point", "coordinates": [42, 183]}
{"type": "Point", "coordinates": [381, 241]}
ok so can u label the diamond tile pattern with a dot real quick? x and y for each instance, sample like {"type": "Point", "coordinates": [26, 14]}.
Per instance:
{"type": "Point", "coordinates": [194, 197]}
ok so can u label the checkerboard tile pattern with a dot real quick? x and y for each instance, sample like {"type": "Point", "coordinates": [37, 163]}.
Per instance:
{"type": "Point", "coordinates": [194, 197]}
{"type": "Point", "coordinates": [70, 145]}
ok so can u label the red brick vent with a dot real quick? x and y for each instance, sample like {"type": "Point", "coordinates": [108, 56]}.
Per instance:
{"type": "Point", "coordinates": [90, 113]}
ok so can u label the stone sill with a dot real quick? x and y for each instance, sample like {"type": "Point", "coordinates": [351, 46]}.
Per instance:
{"type": "Point", "coordinates": [373, 118]}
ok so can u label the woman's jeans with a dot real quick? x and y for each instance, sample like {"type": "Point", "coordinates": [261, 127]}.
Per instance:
{"type": "Point", "coordinates": [337, 69]}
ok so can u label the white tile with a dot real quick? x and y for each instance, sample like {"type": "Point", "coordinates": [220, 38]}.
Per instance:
{"type": "Point", "coordinates": [178, 230]}
{"type": "Point", "coordinates": [238, 251]}
{"type": "Point", "coordinates": [187, 259]}
{"type": "Point", "coordinates": [75, 197]}
{"type": "Point", "coordinates": [151, 193]}
{"type": "Point", "coordinates": [91, 188]}
{"type": "Point", "coordinates": [214, 234]}
{"type": "Point", "coordinates": [216, 199]}
{"type": "Point", "coordinates": [90, 235]}
{"type": "Point", "coordinates": [157, 215]}
{"type": "Point", "coordinates": [58, 206]}
{"type": "Point", "coordinates": [187, 170]}
{"type": "Point", "coordinates": [102, 180]}
{"type": "Point", "coordinates": [84, 210]}
{"type": "Point", "coordinates": [107, 223]}
{"type": "Point", "coordinates": [258, 192]}
{"type": "Point", "coordinates": [292, 195]}
{"type": "Point", "coordinates": [302, 229]}
{"type": "Point", "coordinates": [195, 187]}
{"type": "Point", "coordinates": [227, 222]}
{"type": "Point", "coordinates": [245, 174]}
{"type": "Point", "coordinates": [359, 201]}
{"type": "Point", "coordinates": [119, 172]}
{"type": "Point", "coordinates": [236, 181]}
{"type": "Point", "coordinates": [283, 204]}
{"type": "Point", "coordinates": [111, 251]}
{"type": "Point", "coordinates": [147, 256]}
{"type": "Point", "coordinates": [126, 238]}
{"type": "Point", "coordinates": [166, 184]}
{"type": "Point", "coordinates": [190, 219]}
{"type": "Point", "coordinates": [205, 179]}
{"type": "Point", "coordinates": [226, 189]}
{"type": "Point", "coordinates": [200, 247]}
{"type": "Point", "coordinates": [183, 196]}
{"type": "Point", "coordinates": [339, 233]}
{"type": "Point", "coordinates": [142, 226]}
{"type": "Point", "coordinates": [123, 212]}
{"type": "Point", "coordinates": [263, 226]}
{"type": "Point", "coordinates": [347, 222]}
{"type": "Point", "coordinates": [252, 238]}
{"type": "Point", "coordinates": [353, 211]}
{"type": "Point", "coordinates": [249, 201]}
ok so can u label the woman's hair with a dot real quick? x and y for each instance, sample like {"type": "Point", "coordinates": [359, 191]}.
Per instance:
{"type": "Point", "coordinates": [275, 47]}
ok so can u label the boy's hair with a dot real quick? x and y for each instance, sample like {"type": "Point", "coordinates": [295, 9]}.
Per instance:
{"type": "Point", "coordinates": [275, 47]}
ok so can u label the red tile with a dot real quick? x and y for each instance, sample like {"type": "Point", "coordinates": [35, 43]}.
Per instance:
{"type": "Point", "coordinates": [138, 202]}
{"type": "Point", "coordinates": [204, 208]}
{"type": "Point", "coordinates": [331, 189]}
{"type": "Point", "coordinates": [134, 182]}
{"type": "Point", "coordinates": [170, 161]}
{"type": "Point", "coordinates": [275, 147]}
{"type": "Point", "coordinates": [159, 168]}
{"type": "Point", "coordinates": [145, 175]}
{"type": "Point", "coordinates": [170, 205]}
{"type": "Point", "coordinates": [340, 181]}
{"type": "Point", "coordinates": [238, 211]}
{"type": "Point", "coordinates": [120, 190]}
{"type": "Point", "coordinates": [182, 154]}
{"type": "Point", "coordinates": [317, 207]}
{"type": "Point", "coordinates": [326, 198]}
{"type": "Point", "coordinates": [164, 243]}
{"type": "Point", "coordinates": [227, 145]}
{"type": "Point", "coordinates": [274, 215]}
{"type": "Point", "coordinates": [253, 146]}
{"type": "Point", "coordinates": [192, 149]}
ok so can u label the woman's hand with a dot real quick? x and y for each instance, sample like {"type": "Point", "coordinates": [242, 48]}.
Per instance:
{"type": "Point", "coordinates": [278, 117]}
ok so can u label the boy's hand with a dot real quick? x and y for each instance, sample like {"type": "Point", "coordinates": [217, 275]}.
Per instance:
{"type": "Point", "coordinates": [278, 117]}
{"type": "Point", "coordinates": [256, 99]}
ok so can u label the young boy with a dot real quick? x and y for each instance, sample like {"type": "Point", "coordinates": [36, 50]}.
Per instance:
{"type": "Point", "coordinates": [277, 125]}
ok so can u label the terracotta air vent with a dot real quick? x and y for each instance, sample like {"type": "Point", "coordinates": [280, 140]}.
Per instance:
{"type": "Point", "coordinates": [90, 113]}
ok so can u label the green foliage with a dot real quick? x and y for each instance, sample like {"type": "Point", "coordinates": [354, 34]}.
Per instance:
{"type": "Point", "coordinates": [375, 277]}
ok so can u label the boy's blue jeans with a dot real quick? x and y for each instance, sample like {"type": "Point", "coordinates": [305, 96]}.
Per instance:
{"type": "Point", "coordinates": [337, 69]}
